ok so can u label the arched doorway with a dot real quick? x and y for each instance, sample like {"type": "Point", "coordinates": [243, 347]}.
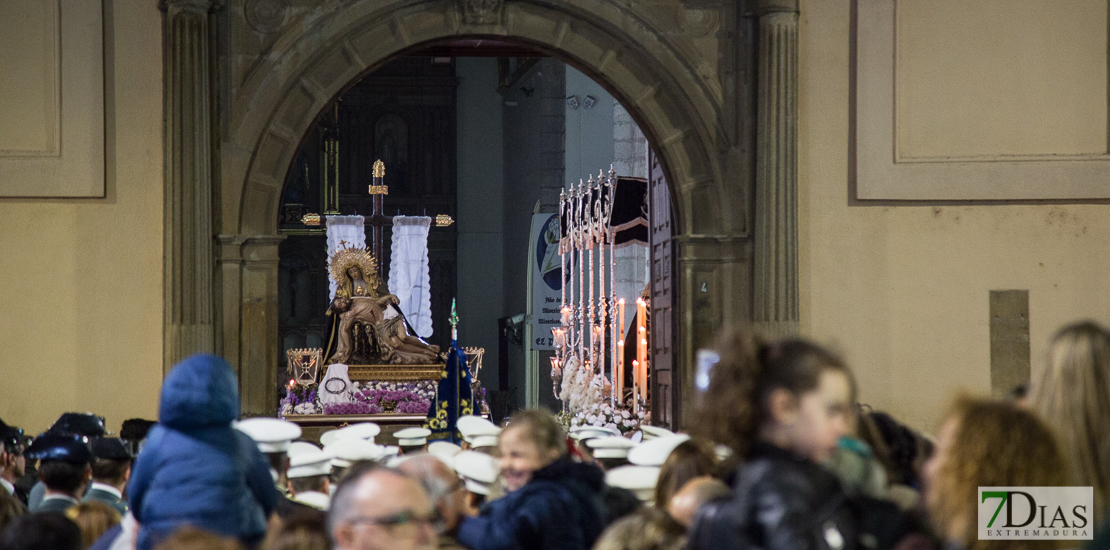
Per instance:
{"type": "Point", "coordinates": [700, 135]}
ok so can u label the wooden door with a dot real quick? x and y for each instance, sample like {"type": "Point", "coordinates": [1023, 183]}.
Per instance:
{"type": "Point", "coordinates": [664, 379]}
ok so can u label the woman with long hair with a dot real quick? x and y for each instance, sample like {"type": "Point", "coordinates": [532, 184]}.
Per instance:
{"type": "Point", "coordinates": [987, 444]}
{"type": "Point", "coordinates": [1072, 395]}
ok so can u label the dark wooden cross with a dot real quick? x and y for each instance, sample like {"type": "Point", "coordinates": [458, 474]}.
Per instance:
{"type": "Point", "coordinates": [378, 220]}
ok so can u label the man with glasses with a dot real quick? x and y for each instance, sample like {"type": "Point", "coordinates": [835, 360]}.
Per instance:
{"type": "Point", "coordinates": [445, 489]}
{"type": "Point", "coordinates": [381, 508]}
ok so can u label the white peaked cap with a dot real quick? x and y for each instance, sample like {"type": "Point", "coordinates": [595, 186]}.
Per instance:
{"type": "Point", "coordinates": [612, 446]}
{"type": "Point", "coordinates": [584, 433]}
{"type": "Point", "coordinates": [651, 432]}
{"type": "Point", "coordinates": [320, 501]}
{"type": "Point", "coordinates": [484, 437]}
{"type": "Point", "coordinates": [444, 450]}
{"type": "Point", "coordinates": [640, 480]}
{"type": "Point", "coordinates": [471, 424]}
{"type": "Point", "coordinates": [348, 451]}
{"type": "Point", "coordinates": [390, 450]}
{"type": "Point", "coordinates": [478, 470]}
{"type": "Point", "coordinates": [654, 452]}
{"type": "Point", "coordinates": [298, 447]}
{"type": "Point", "coordinates": [362, 430]}
{"type": "Point", "coordinates": [412, 437]}
{"type": "Point", "coordinates": [328, 437]}
{"type": "Point", "coordinates": [272, 435]}
{"type": "Point", "coordinates": [309, 464]}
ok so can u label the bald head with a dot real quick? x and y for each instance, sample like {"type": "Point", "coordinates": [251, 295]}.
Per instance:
{"type": "Point", "coordinates": [684, 505]}
{"type": "Point", "coordinates": [380, 508]}
{"type": "Point", "coordinates": [442, 486]}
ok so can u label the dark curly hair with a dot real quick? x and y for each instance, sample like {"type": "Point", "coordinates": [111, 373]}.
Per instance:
{"type": "Point", "coordinates": [732, 408]}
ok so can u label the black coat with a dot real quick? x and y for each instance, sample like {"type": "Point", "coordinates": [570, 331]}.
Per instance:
{"type": "Point", "coordinates": [782, 501]}
{"type": "Point", "coordinates": [558, 509]}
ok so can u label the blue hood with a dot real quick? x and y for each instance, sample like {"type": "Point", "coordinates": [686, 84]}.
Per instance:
{"type": "Point", "coordinates": [200, 392]}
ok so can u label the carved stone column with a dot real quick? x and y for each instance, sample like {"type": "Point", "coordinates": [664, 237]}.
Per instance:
{"type": "Point", "coordinates": [775, 304]}
{"type": "Point", "coordinates": [189, 321]}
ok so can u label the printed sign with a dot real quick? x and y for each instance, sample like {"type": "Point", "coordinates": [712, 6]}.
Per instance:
{"type": "Point", "coordinates": [1036, 513]}
{"type": "Point", "coordinates": [547, 281]}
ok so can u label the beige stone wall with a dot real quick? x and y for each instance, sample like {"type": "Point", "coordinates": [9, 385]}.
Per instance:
{"type": "Point", "coordinates": [902, 290]}
{"type": "Point", "coordinates": [81, 280]}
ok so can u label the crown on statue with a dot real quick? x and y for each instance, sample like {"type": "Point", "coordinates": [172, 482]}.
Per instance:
{"type": "Point", "coordinates": [346, 256]}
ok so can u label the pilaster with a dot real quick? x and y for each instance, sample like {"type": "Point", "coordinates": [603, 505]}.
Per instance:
{"type": "Point", "coordinates": [258, 324]}
{"type": "Point", "coordinates": [775, 296]}
{"type": "Point", "coordinates": [189, 322]}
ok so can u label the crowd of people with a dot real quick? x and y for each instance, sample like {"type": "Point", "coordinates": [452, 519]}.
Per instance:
{"type": "Point", "coordinates": [780, 455]}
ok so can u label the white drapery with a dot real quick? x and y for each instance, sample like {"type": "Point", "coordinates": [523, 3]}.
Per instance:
{"type": "Point", "coordinates": [409, 278]}
{"type": "Point", "coordinates": [349, 229]}
{"type": "Point", "coordinates": [336, 387]}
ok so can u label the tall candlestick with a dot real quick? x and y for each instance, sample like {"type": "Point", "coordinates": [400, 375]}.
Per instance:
{"type": "Point", "coordinates": [635, 386]}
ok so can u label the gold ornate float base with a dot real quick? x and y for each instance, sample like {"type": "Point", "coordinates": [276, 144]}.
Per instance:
{"type": "Point", "coordinates": [394, 373]}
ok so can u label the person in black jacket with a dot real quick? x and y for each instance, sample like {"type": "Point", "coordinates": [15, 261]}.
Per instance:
{"type": "Point", "coordinates": [782, 407]}
{"type": "Point", "coordinates": [554, 503]}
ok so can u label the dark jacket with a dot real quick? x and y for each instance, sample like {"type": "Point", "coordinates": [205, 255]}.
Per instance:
{"type": "Point", "coordinates": [782, 501]}
{"type": "Point", "coordinates": [195, 468]}
{"type": "Point", "coordinates": [558, 509]}
{"type": "Point", "coordinates": [110, 499]}
{"type": "Point", "coordinates": [56, 505]}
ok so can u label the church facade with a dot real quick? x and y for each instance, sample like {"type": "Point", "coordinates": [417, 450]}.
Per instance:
{"type": "Point", "coordinates": [828, 176]}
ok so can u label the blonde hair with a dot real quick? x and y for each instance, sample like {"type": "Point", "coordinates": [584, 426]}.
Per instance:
{"type": "Point", "coordinates": [1073, 396]}
{"type": "Point", "coordinates": [94, 518]}
{"type": "Point", "coordinates": [645, 529]}
{"type": "Point", "coordinates": [994, 444]}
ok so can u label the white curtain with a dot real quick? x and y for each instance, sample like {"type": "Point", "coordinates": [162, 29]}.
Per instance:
{"type": "Point", "coordinates": [408, 271]}
{"type": "Point", "coordinates": [349, 229]}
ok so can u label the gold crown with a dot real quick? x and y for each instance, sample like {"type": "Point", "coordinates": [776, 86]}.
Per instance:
{"type": "Point", "coordinates": [346, 257]}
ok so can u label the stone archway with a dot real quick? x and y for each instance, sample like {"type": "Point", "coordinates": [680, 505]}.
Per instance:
{"type": "Point", "coordinates": [698, 122]}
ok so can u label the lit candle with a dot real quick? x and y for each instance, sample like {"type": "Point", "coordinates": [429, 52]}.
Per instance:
{"type": "Point", "coordinates": [620, 371]}
{"type": "Point", "coordinates": [643, 371]}
{"type": "Point", "coordinates": [566, 316]}
{"type": "Point", "coordinates": [621, 303]}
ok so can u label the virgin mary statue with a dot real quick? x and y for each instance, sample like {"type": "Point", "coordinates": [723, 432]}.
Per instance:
{"type": "Point", "coordinates": [366, 325]}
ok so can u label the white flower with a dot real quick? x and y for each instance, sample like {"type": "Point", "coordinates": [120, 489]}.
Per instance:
{"type": "Point", "coordinates": [592, 418]}
{"type": "Point", "coordinates": [624, 413]}
{"type": "Point", "coordinates": [611, 426]}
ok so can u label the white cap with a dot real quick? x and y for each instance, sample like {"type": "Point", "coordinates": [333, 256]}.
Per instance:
{"type": "Point", "coordinates": [471, 424]}
{"type": "Point", "coordinates": [328, 437]}
{"type": "Point", "coordinates": [640, 480]}
{"type": "Point", "coordinates": [654, 452]}
{"type": "Point", "coordinates": [612, 446]}
{"type": "Point", "coordinates": [299, 447]}
{"type": "Point", "coordinates": [412, 437]}
{"type": "Point", "coordinates": [272, 435]}
{"type": "Point", "coordinates": [309, 464]}
{"type": "Point", "coordinates": [362, 430]}
{"type": "Point", "coordinates": [651, 432]}
{"type": "Point", "coordinates": [443, 450]}
{"type": "Point", "coordinates": [477, 470]}
{"type": "Point", "coordinates": [348, 451]}
{"type": "Point", "coordinates": [319, 501]}
{"type": "Point", "coordinates": [484, 437]}
{"type": "Point", "coordinates": [585, 433]}
{"type": "Point", "coordinates": [390, 450]}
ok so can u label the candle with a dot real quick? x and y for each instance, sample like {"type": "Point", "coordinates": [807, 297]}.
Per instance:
{"type": "Point", "coordinates": [621, 303]}
{"type": "Point", "coordinates": [643, 371]}
{"type": "Point", "coordinates": [566, 316]}
{"type": "Point", "coordinates": [620, 371]}
{"type": "Point", "coordinates": [635, 385]}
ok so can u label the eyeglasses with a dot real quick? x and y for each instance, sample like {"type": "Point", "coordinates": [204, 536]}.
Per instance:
{"type": "Point", "coordinates": [401, 519]}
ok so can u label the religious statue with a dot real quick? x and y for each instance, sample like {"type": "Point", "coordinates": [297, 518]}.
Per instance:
{"type": "Point", "coordinates": [367, 326]}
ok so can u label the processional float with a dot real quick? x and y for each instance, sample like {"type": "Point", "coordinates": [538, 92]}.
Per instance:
{"type": "Point", "coordinates": [592, 331]}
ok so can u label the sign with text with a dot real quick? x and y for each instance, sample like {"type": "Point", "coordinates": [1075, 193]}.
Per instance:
{"type": "Point", "coordinates": [547, 281]}
{"type": "Point", "coordinates": [1036, 513]}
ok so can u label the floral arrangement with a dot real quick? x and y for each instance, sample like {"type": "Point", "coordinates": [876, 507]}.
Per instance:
{"type": "Point", "coordinates": [299, 400]}
{"type": "Point", "coordinates": [606, 415]}
{"type": "Point", "coordinates": [373, 397]}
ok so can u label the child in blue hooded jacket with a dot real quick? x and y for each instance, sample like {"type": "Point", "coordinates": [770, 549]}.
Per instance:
{"type": "Point", "coordinates": [195, 468]}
